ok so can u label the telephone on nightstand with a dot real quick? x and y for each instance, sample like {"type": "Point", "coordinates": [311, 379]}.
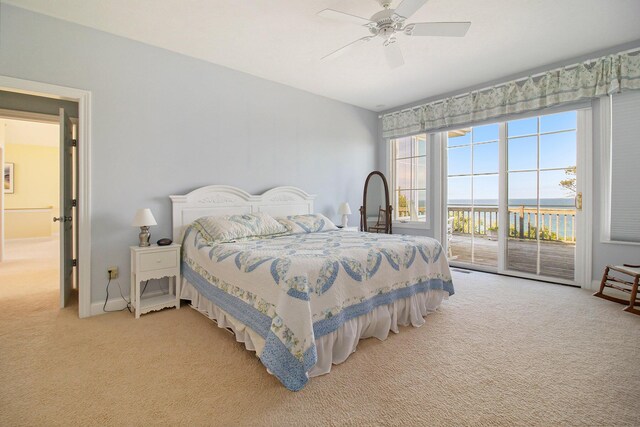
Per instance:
{"type": "Point", "coordinates": [164, 242]}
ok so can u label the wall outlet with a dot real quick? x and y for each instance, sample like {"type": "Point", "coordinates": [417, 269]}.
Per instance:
{"type": "Point", "coordinates": [113, 272]}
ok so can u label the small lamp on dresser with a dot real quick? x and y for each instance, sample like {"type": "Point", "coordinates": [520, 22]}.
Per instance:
{"type": "Point", "coordinates": [345, 211]}
{"type": "Point", "coordinates": [144, 219]}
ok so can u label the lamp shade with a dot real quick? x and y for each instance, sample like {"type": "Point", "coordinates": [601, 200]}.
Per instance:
{"type": "Point", "coordinates": [143, 218]}
{"type": "Point", "coordinates": [344, 209]}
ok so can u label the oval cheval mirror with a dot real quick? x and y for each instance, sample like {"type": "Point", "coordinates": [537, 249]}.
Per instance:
{"type": "Point", "coordinates": [375, 212]}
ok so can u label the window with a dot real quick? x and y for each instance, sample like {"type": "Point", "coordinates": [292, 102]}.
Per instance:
{"type": "Point", "coordinates": [620, 169]}
{"type": "Point", "coordinates": [409, 178]}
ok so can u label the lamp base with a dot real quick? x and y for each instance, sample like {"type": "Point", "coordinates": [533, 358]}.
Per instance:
{"type": "Point", "coordinates": [345, 219]}
{"type": "Point", "coordinates": [144, 236]}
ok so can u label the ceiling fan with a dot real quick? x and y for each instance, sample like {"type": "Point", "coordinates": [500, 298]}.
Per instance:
{"type": "Point", "coordinates": [389, 22]}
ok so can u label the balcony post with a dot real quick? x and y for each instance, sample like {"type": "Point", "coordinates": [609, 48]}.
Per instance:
{"type": "Point", "coordinates": [521, 214]}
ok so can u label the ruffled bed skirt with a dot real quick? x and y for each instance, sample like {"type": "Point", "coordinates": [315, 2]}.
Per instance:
{"type": "Point", "coordinates": [333, 348]}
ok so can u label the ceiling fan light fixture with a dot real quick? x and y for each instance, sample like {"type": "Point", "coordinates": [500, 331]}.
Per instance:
{"type": "Point", "coordinates": [387, 22]}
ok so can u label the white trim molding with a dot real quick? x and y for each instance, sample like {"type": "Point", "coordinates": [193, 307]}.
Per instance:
{"type": "Point", "coordinates": [584, 178]}
{"type": "Point", "coordinates": [83, 98]}
{"type": "Point", "coordinates": [605, 169]}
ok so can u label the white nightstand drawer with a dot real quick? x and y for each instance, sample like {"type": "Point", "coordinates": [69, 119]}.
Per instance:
{"type": "Point", "coordinates": [157, 260]}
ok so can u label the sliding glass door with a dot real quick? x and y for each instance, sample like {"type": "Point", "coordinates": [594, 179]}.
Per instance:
{"type": "Point", "coordinates": [541, 182]}
{"type": "Point", "coordinates": [473, 194]}
{"type": "Point", "coordinates": [512, 189]}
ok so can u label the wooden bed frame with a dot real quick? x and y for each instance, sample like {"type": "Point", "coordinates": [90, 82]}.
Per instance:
{"type": "Point", "coordinates": [215, 200]}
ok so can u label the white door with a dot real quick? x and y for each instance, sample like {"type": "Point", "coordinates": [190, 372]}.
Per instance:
{"type": "Point", "coordinates": [66, 208]}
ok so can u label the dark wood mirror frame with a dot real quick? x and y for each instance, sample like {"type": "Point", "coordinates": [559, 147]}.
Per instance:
{"type": "Point", "coordinates": [363, 209]}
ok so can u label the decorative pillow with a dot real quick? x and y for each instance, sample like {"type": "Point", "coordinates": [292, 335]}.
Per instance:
{"type": "Point", "coordinates": [229, 228]}
{"type": "Point", "coordinates": [307, 223]}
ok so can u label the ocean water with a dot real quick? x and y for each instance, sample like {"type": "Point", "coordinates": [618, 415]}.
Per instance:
{"type": "Point", "coordinates": [547, 203]}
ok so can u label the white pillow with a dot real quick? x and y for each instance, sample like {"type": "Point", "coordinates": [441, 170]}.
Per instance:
{"type": "Point", "coordinates": [311, 223]}
{"type": "Point", "coordinates": [230, 228]}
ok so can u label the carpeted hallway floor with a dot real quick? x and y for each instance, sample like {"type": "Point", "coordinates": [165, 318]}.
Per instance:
{"type": "Point", "coordinates": [501, 351]}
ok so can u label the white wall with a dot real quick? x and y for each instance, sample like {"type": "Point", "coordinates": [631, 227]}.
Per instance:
{"type": "Point", "coordinates": [165, 124]}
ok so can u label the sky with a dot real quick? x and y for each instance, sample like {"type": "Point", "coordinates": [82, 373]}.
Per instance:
{"type": "Point", "coordinates": [557, 152]}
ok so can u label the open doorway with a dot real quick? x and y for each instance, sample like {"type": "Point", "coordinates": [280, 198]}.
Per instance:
{"type": "Point", "coordinates": [20, 97]}
{"type": "Point", "coordinates": [38, 231]}
{"type": "Point", "coordinates": [38, 246]}
{"type": "Point", "coordinates": [31, 255]}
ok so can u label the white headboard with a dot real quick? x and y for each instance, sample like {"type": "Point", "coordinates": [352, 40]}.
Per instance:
{"type": "Point", "coordinates": [215, 200]}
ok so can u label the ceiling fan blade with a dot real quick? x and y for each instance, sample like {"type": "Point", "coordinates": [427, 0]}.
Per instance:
{"type": "Point", "coordinates": [343, 17]}
{"type": "Point", "coordinates": [438, 29]}
{"type": "Point", "coordinates": [345, 49]}
{"type": "Point", "coordinates": [406, 9]}
{"type": "Point", "coordinates": [393, 54]}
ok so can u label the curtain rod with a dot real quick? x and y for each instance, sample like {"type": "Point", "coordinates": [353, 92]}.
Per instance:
{"type": "Point", "coordinates": [542, 73]}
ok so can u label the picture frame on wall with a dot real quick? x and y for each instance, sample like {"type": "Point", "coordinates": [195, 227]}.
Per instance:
{"type": "Point", "coordinates": [8, 178]}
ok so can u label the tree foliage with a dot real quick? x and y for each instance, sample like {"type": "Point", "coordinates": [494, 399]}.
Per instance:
{"type": "Point", "coordinates": [570, 182]}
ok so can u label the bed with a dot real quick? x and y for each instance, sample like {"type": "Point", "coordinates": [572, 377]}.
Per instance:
{"type": "Point", "coordinates": [302, 299]}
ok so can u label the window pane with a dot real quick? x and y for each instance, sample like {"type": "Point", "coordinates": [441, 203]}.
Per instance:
{"type": "Point", "coordinates": [459, 137]}
{"type": "Point", "coordinates": [558, 150]}
{"type": "Point", "coordinates": [485, 190]}
{"type": "Point", "coordinates": [422, 145]}
{"type": "Point", "coordinates": [422, 204]}
{"type": "Point", "coordinates": [403, 173]}
{"type": "Point", "coordinates": [522, 153]}
{"type": "Point", "coordinates": [404, 205]}
{"type": "Point", "coordinates": [522, 127]}
{"type": "Point", "coordinates": [459, 190]}
{"type": "Point", "coordinates": [485, 133]}
{"type": "Point", "coordinates": [556, 122]}
{"type": "Point", "coordinates": [523, 189]}
{"type": "Point", "coordinates": [485, 158]}
{"type": "Point", "coordinates": [557, 188]}
{"type": "Point", "coordinates": [403, 147]}
{"type": "Point", "coordinates": [421, 168]}
{"type": "Point", "coordinates": [410, 179]}
{"type": "Point", "coordinates": [459, 160]}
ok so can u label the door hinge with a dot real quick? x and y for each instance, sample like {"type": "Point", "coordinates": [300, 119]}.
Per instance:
{"type": "Point", "coordinates": [74, 202]}
{"type": "Point", "coordinates": [74, 142]}
{"type": "Point", "coordinates": [74, 262]}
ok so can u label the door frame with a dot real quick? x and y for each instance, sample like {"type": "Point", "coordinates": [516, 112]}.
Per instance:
{"type": "Point", "coordinates": [83, 98]}
{"type": "Point", "coordinates": [584, 178]}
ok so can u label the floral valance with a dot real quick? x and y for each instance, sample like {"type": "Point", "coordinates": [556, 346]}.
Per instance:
{"type": "Point", "coordinates": [591, 79]}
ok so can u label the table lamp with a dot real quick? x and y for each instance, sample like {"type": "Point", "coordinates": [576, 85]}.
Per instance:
{"type": "Point", "coordinates": [143, 219]}
{"type": "Point", "coordinates": [344, 210]}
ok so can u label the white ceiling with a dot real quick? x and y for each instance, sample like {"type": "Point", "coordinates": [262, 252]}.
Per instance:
{"type": "Point", "coordinates": [283, 40]}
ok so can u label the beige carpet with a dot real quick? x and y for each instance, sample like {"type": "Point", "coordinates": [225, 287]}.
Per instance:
{"type": "Point", "coordinates": [500, 352]}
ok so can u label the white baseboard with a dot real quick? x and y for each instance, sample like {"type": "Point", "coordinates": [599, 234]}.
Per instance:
{"type": "Point", "coordinates": [117, 303]}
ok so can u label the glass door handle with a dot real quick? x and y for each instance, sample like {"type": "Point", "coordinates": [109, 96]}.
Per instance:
{"type": "Point", "coordinates": [578, 201]}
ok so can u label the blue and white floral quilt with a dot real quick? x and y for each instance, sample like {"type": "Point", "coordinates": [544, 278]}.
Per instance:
{"type": "Point", "coordinates": [293, 289]}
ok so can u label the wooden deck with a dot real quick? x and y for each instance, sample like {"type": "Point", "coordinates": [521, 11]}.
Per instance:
{"type": "Point", "coordinates": [556, 258]}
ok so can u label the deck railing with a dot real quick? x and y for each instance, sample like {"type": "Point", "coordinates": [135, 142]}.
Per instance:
{"type": "Point", "coordinates": [555, 223]}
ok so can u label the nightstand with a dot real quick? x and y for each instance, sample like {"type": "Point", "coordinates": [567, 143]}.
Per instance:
{"type": "Point", "coordinates": [348, 228]}
{"type": "Point", "coordinates": [155, 262]}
